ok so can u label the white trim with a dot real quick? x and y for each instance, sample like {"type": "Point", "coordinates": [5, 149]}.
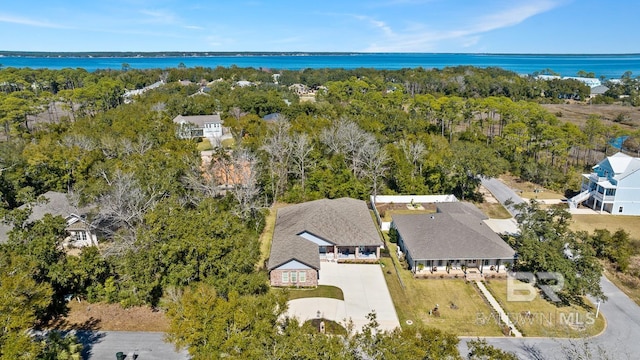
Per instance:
{"type": "Point", "coordinates": [318, 241]}
{"type": "Point", "coordinates": [293, 265]}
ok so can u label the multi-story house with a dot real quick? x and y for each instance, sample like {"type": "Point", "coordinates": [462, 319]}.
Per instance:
{"type": "Point", "coordinates": [613, 186]}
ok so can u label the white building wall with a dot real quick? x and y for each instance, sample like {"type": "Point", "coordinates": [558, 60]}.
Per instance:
{"type": "Point", "coordinates": [212, 130]}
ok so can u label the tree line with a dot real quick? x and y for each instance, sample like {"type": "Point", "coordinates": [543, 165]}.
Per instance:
{"type": "Point", "coordinates": [172, 231]}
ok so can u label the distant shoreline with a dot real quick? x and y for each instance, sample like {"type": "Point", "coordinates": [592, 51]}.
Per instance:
{"type": "Point", "coordinates": [191, 54]}
{"type": "Point", "coordinates": [610, 66]}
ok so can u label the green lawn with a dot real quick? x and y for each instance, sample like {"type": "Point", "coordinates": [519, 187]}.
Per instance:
{"type": "Point", "coordinates": [267, 235]}
{"type": "Point", "coordinates": [547, 319]}
{"type": "Point", "coordinates": [389, 213]}
{"type": "Point", "coordinates": [421, 295]}
{"type": "Point", "coordinates": [204, 145]}
{"type": "Point", "coordinates": [611, 222]}
{"type": "Point", "coordinates": [330, 327]}
{"type": "Point", "coordinates": [228, 142]}
{"type": "Point", "coordinates": [493, 210]}
{"type": "Point", "coordinates": [325, 291]}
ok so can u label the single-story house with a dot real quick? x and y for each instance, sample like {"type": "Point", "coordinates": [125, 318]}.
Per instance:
{"type": "Point", "coordinates": [209, 126]}
{"type": "Point", "coordinates": [453, 238]}
{"type": "Point", "coordinates": [81, 232]}
{"type": "Point", "coordinates": [339, 230]}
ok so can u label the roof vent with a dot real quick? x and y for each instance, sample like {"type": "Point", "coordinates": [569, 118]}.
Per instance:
{"type": "Point", "coordinates": [433, 217]}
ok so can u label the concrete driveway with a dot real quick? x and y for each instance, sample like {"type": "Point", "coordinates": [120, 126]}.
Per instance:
{"type": "Point", "coordinates": [364, 290]}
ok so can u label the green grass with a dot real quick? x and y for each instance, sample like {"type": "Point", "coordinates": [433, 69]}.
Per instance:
{"type": "Point", "coordinates": [330, 327]}
{"type": "Point", "coordinates": [324, 291]}
{"type": "Point", "coordinates": [546, 318]}
{"type": "Point", "coordinates": [421, 295]}
{"type": "Point", "coordinates": [267, 235]}
{"type": "Point", "coordinates": [389, 213]}
{"type": "Point", "coordinates": [204, 145]}
{"type": "Point", "coordinates": [494, 210]}
{"type": "Point", "coordinates": [228, 142]}
{"type": "Point", "coordinates": [611, 222]}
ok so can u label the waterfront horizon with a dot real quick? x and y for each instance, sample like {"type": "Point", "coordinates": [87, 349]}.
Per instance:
{"type": "Point", "coordinates": [608, 66]}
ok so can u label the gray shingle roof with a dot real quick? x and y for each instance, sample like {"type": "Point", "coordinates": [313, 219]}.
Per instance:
{"type": "Point", "coordinates": [57, 204]}
{"type": "Point", "coordinates": [344, 222]}
{"type": "Point", "coordinates": [455, 232]}
{"type": "Point", "coordinates": [198, 120]}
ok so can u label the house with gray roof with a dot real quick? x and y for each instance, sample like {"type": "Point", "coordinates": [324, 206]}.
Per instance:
{"type": "Point", "coordinates": [80, 232]}
{"type": "Point", "coordinates": [453, 238]}
{"type": "Point", "coordinates": [340, 230]}
{"type": "Point", "coordinates": [209, 126]}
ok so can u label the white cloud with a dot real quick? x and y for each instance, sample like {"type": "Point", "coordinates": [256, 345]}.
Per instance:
{"type": "Point", "coordinates": [31, 22]}
{"type": "Point", "coordinates": [418, 38]}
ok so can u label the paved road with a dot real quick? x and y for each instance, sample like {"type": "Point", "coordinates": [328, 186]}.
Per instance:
{"type": "Point", "coordinates": [147, 345]}
{"type": "Point", "coordinates": [503, 193]}
{"type": "Point", "coordinates": [620, 340]}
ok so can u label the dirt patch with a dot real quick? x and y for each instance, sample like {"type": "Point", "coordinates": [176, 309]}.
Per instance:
{"type": "Point", "coordinates": [579, 113]}
{"type": "Point", "coordinates": [86, 316]}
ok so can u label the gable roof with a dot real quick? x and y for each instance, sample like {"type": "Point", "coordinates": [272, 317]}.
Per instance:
{"type": "Point", "coordinates": [456, 231]}
{"type": "Point", "coordinates": [344, 222]}
{"type": "Point", "coordinates": [57, 204]}
{"type": "Point", "coordinates": [599, 90]}
{"type": "Point", "coordinates": [621, 164]}
{"type": "Point", "coordinates": [198, 120]}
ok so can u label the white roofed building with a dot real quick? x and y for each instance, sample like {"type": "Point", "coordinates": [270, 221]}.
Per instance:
{"type": "Point", "coordinates": [613, 186]}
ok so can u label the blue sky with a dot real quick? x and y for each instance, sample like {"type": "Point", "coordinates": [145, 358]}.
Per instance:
{"type": "Point", "coordinates": [469, 26]}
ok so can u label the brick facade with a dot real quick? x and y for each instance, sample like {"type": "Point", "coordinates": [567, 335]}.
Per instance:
{"type": "Point", "coordinates": [311, 280]}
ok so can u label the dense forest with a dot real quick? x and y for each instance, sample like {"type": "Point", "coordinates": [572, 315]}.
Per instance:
{"type": "Point", "coordinates": [178, 241]}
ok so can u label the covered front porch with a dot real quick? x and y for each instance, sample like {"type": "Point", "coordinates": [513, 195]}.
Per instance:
{"type": "Point", "coordinates": [349, 253]}
{"type": "Point", "coordinates": [460, 267]}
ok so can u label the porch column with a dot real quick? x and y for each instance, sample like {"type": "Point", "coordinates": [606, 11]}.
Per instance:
{"type": "Point", "coordinates": [481, 266]}
{"type": "Point", "coordinates": [357, 252]}
{"type": "Point", "coordinates": [378, 252]}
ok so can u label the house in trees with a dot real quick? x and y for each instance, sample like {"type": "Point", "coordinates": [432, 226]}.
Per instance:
{"type": "Point", "coordinates": [339, 230]}
{"type": "Point", "coordinates": [209, 126]}
{"type": "Point", "coordinates": [80, 232]}
{"type": "Point", "coordinates": [613, 186]}
{"type": "Point", "coordinates": [454, 240]}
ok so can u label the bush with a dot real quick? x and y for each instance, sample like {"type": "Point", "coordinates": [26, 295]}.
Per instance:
{"type": "Point", "coordinates": [393, 235]}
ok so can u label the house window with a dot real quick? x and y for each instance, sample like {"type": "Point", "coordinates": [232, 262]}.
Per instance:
{"type": "Point", "coordinates": [302, 276]}
{"type": "Point", "coordinates": [486, 262]}
{"type": "Point", "coordinates": [285, 276]}
{"type": "Point", "coordinates": [611, 192]}
{"type": "Point", "coordinates": [294, 277]}
{"type": "Point", "coordinates": [620, 209]}
{"type": "Point", "coordinates": [81, 236]}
